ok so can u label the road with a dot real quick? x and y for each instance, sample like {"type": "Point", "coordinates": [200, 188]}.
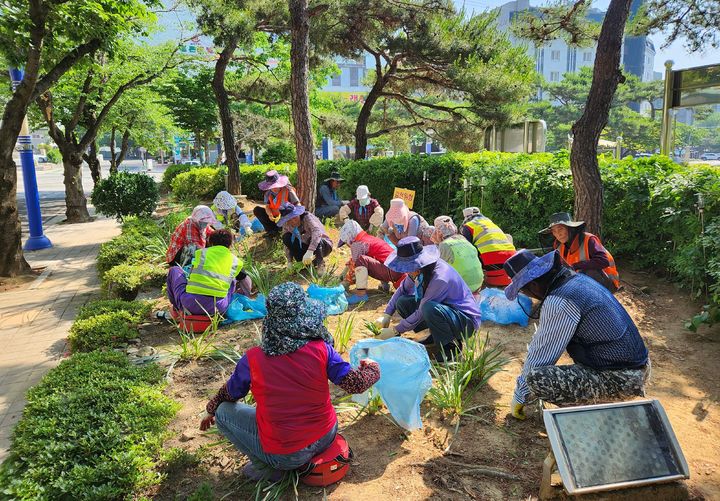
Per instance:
{"type": "Point", "coordinates": [52, 189]}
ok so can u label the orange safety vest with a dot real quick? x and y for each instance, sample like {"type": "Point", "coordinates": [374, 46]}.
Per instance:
{"type": "Point", "coordinates": [579, 253]}
{"type": "Point", "coordinates": [282, 196]}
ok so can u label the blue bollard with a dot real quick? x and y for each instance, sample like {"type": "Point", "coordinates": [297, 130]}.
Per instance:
{"type": "Point", "coordinates": [327, 149]}
{"type": "Point", "coordinates": [37, 239]}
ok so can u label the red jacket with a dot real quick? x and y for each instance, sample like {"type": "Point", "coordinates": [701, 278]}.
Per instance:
{"type": "Point", "coordinates": [293, 398]}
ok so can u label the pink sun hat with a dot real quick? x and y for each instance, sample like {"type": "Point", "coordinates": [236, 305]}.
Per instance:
{"type": "Point", "coordinates": [398, 213]}
{"type": "Point", "coordinates": [273, 180]}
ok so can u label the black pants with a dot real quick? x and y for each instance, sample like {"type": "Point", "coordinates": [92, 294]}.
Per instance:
{"type": "Point", "coordinates": [270, 227]}
{"type": "Point", "coordinates": [298, 249]}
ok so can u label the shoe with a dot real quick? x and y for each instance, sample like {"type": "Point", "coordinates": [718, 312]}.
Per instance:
{"type": "Point", "coordinates": [427, 341]}
{"type": "Point", "coordinates": [384, 287]}
{"type": "Point", "coordinates": [355, 299]}
{"type": "Point", "coordinates": [263, 472]}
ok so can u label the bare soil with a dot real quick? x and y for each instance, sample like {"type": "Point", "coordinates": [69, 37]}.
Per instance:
{"type": "Point", "coordinates": [428, 464]}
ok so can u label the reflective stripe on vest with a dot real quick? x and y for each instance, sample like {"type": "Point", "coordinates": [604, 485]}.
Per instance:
{"type": "Point", "coordinates": [282, 196]}
{"type": "Point", "coordinates": [582, 253]}
{"type": "Point", "coordinates": [487, 236]}
{"type": "Point", "coordinates": [213, 271]}
{"type": "Point", "coordinates": [464, 260]}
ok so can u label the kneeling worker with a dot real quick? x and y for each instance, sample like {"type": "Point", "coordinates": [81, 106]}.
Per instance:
{"type": "Point", "coordinates": [212, 281]}
{"type": "Point", "coordinates": [230, 215]}
{"type": "Point", "coordinates": [456, 251]}
{"type": "Point", "coordinates": [581, 316]}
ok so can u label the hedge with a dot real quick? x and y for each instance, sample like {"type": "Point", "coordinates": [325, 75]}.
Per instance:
{"type": "Point", "coordinates": [104, 330]}
{"type": "Point", "coordinates": [92, 430]}
{"type": "Point", "coordinates": [198, 184]}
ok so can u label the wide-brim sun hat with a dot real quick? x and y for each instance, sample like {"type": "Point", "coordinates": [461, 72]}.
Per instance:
{"type": "Point", "coordinates": [562, 218]}
{"type": "Point", "coordinates": [289, 211]}
{"type": "Point", "coordinates": [225, 201]}
{"type": "Point", "coordinates": [273, 180]}
{"type": "Point", "coordinates": [335, 176]}
{"type": "Point", "coordinates": [524, 267]}
{"type": "Point", "coordinates": [412, 255]}
{"type": "Point", "coordinates": [203, 214]}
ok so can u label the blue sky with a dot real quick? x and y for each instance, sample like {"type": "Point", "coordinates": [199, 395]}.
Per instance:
{"type": "Point", "coordinates": [676, 51]}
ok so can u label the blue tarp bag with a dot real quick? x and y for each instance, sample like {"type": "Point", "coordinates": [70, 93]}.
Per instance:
{"type": "Point", "coordinates": [333, 297]}
{"type": "Point", "coordinates": [404, 376]}
{"type": "Point", "coordinates": [256, 225]}
{"type": "Point", "coordinates": [243, 308]}
{"type": "Point", "coordinates": [389, 242]}
{"type": "Point", "coordinates": [495, 307]}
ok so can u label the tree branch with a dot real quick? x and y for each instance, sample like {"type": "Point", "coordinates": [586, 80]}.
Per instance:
{"type": "Point", "coordinates": [67, 62]}
{"type": "Point", "coordinates": [386, 130]}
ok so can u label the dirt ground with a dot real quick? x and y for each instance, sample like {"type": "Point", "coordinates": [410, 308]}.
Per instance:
{"type": "Point", "coordinates": [428, 464]}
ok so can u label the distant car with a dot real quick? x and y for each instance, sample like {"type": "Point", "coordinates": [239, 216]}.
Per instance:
{"type": "Point", "coordinates": [643, 155]}
{"type": "Point", "coordinates": [40, 159]}
{"type": "Point", "coordinates": [710, 156]}
{"type": "Point", "coordinates": [191, 162]}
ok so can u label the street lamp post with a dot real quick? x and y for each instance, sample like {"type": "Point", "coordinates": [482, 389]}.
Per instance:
{"type": "Point", "coordinates": [37, 238]}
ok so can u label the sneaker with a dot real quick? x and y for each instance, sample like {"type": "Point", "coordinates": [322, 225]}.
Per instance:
{"type": "Point", "coordinates": [263, 472]}
{"type": "Point", "coordinates": [355, 299]}
{"type": "Point", "coordinates": [384, 287]}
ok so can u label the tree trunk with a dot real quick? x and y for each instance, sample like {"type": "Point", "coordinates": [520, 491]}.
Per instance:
{"type": "Point", "coordinates": [587, 130]}
{"type": "Point", "coordinates": [226, 121]}
{"type": "Point", "coordinates": [93, 162]}
{"type": "Point", "coordinates": [299, 70]}
{"type": "Point", "coordinates": [124, 145]}
{"type": "Point", "coordinates": [363, 120]}
{"type": "Point", "coordinates": [75, 201]}
{"type": "Point", "coordinates": [113, 165]}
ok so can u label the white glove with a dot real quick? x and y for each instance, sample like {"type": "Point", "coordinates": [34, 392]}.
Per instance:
{"type": "Point", "coordinates": [377, 218]}
{"type": "Point", "coordinates": [344, 213]}
{"type": "Point", "coordinates": [308, 258]}
{"type": "Point", "coordinates": [383, 322]}
{"type": "Point", "coordinates": [248, 231]}
{"type": "Point", "coordinates": [387, 333]}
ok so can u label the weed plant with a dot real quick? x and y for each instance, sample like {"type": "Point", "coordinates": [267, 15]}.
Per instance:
{"type": "Point", "coordinates": [343, 332]}
{"type": "Point", "coordinates": [327, 279]}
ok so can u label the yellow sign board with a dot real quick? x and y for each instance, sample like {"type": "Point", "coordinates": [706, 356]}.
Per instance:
{"type": "Point", "coordinates": [407, 195]}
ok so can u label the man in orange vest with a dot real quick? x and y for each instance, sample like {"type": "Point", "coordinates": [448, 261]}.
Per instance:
{"type": "Point", "coordinates": [583, 251]}
{"type": "Point", "coordinates": [277, 191]}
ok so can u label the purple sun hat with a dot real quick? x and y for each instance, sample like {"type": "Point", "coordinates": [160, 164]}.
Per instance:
{"type": "Point", "coordinates": [412, 255]}
{"type": "Point", "coordinates": [273, 180]}
{"type": "Point", "coordinates": [524, 267]}
{"type": "Point", "coordinates": [289, 211]}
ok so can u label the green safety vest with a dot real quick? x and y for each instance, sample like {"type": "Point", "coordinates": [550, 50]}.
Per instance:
{"type": "Point", "coordinates": [463, 257]}
{"type": "Point", "coordinates": [220, 215]}
{"type": "Point", "coordinates": [213, 270]}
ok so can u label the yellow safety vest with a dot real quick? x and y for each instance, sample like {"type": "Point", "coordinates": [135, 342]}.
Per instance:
{"type": "Point", "coordinates": [487, 236]}
{"type": "Point", "coordinates": [462, 255]}
{"type": "Point", "coordinates": [213, 270]}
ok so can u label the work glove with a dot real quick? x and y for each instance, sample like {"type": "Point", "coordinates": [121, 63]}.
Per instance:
{"type": "Point", "coordinates": [517, 409]}
{"type": "Point", "coordinates": [383, 321]}
{"type": "Point", "coordinates": [308, 258]}
{"type": "Point", "coordinates": [344, 213]}
{"type": "Point", "coordinates": [275, 219]}
{"type": "Point", "coordinates": [387, 333]}
{"type": "Point", "coordinates": [377, 218]}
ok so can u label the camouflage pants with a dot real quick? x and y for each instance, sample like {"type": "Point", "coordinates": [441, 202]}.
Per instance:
{"type": "Point", "coordinates": [579, 384]}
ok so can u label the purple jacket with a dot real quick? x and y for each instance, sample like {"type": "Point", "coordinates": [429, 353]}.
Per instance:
{"type": "Point", "coordinates": [447, 287]}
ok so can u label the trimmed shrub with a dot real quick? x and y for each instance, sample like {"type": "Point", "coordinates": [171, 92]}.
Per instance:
{"type": "Point", "coordinates": [119, 250]}
{"type": "Point", "coordinates": [201, 183]}
{"type": "Point", "coordinates": [104, 330]}
{"type": "Point", "coordinates": [138, 310]}
{"type": "Point", "coordinates": [54, 156]}
{"type": "Point", "coordinates": [92, 430]}
{"type": "Point", "coordinates": [279, 152]}
{"type": "Point", "coordinates": [172, 172]}
{"type": "Point", "coordinates": [125, 280]}
{"type": "Point", "coordinates": [125, 194]}
{"type": "Point", "coordinates": [142, 227]}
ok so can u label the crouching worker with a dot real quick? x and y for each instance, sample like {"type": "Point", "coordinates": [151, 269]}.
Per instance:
{"type": "Point", "coordinates": [304, 237]}
{"type": "Point", "coordinates": [367, 259]}
{"type": "Point", "coordinates": [230, 215]}
{"type": "Point", "coordinates": [277, 192]}
{"type": "Point", "coordinates": [456, 251]}
{"type": "Point", "coordinates": [432, 296]}
{"type": "Point", "coordinates": [190, 235]}
{"type": "Point", "coordinates": [364, 209]}
{"type": "Point", "coordinates": [294, 419]}
{"type": "Point", "coordinates": [216, 274]}
{"type": "Point", "coordinates": [493, 246]}
{"type": "Point", "coordinates": [581, 316]}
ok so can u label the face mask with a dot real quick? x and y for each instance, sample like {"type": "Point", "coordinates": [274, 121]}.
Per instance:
{"type": "Point", "coordinates": [399, 228]}
{"type": "Point", "coordinates": [364, 202]}
{"type": "Point", "coordinates": [202, 225]}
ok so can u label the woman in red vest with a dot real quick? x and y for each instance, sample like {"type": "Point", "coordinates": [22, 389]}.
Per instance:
{"type": "Point", "coordinates": [367, 259]}
{"type": "Point", "coordinates": [582, 250]}
{"type": "Point", "coordinates": [294, 419]}
{"type": "Point", "coordinates": [277, 192]}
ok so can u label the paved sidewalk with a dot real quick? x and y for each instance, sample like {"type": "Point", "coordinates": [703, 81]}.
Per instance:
{"type": "Point", "coordinates": [34, 320]}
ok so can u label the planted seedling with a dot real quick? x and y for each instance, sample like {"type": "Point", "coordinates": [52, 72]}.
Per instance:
{"type": "Point", "coordinates": [374, 329]}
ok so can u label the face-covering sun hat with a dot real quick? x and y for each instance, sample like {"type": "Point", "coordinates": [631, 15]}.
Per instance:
{"type": "Point", "coordinates": [412, 255]}
{"type": "Point", "coordinates": [203, 214]}
{"type": "Point", "coordinates": [225, 201]}
{"type": "Point", "coordinates": [293, 320]}
{"type": "Point", "coordinates": [363, 195]}
{"type": "Point", "coordinates": [398, 214]}
{"type": "Point", "coordinates": [289, 211]}
{"type": "Point", "coordinates": [444, 227]}
{"type": "Point", "coordinates": [524, 267]}
{"type": "Point", "coordinates": [349, 232]}
{"type": "Point", "coordinates": [561, 218]}
{"type": "Point", "coordinates": [273, 180]}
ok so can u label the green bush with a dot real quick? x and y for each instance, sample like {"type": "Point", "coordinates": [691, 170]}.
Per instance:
{"type": "Point", "coordinates": [119, 250]}
{"type": "Point", "coordinates": [92, 430]}
{"type": "Point", "coordinates": [279, 152]}
{"type": "Point", "coordinates": [126, 280]}
{"type": "Point", "coordinates": [172, 172]}
{"type": "Point", "coordinates": [138, 310]}
{"type": "Point", "coordinates": [125, 194]}
{"type": "Point", "coordinates": [142, 227]}
{"type": "Point", "coordinates": [172, 220]}
{"type": "Point", "coordinates": [54, 156]}
{"type": "Point", "coordinates": [198, 184]}
{"type": "Point", "coordinates": [104, 330]}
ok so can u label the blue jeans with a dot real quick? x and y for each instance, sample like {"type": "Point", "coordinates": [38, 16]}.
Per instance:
{"type": "Point", "coordinates": [446, 324]}
{"type": "Point", "coordinates": [237, 422]}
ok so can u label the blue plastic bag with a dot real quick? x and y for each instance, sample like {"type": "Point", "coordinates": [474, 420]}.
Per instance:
{"type": "Point", "coordinates": [389, 242]}
{"type": "Point", "coordinates": [495, 307]}
{"type": "Point", "coordinates": [256, 225]}
{"type": "Point", "coordinates": [333, 297]}
{"type": "Point", "coordinates": [243, 308]}
{"type": "Point", "coordinates": [404, 376]}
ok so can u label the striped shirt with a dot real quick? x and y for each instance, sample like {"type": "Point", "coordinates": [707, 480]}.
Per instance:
{"type": "Point", "coordinates": [584, 318]}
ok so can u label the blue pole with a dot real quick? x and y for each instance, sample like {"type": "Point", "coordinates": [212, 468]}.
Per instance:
{"type": "Point", "coordinates": [37, 239]}
{"type": "Point", "coordinates": [428, 146]}
{"type": "Point", "coordinates": [249, 157]}
{"type": "Point", "coordinates": [327, 149]}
